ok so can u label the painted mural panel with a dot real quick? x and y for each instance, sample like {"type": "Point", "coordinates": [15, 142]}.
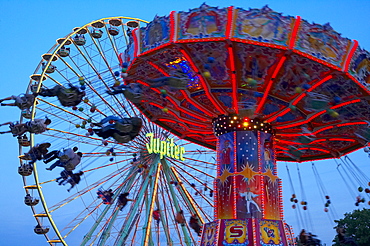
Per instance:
{"type": "Point", "coordinates": [322, 42]}
{"type": "Point", "coordinates": [155, 33]}
{"type": "Point", "coordinates": [209, 234]}
{"type": "Point", "coordinates": [263, 25]}
{"type": "Point", "coordinates": [236, 232]}
{"type": "Point", "coordinates": [225, 174]}
{"type": "Point", "coordinates": [270, 233]}
{"type": "Point", "coordinates": [202, 22]}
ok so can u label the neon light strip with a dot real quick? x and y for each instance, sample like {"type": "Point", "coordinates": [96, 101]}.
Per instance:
{"type": "Point", "coordinates": [193, 131]}
{"type": "Point", "coordinates": [320, 83]}
{"type": "Point", "coordinates": [326, 128]}
{"type": "Point", "coordinates": [159, 69]}
{"type": "Point", "coordinates": [295, 101]}
{"type": "Point", "coordinates": [269, 85]}
{"type": "Point", "coordinates": [293, 38]}
{"type": "Point", "coordinates": [342, 139]}
{"type": "Point", "coordinates": [215, 189]}
{"type": "Point", "coordinates": [318, 141]}
{"type": "Point", "coordinates": [281, 206]}
{"type": "Point", "coordinates": [136, 42]}
{"type": "Point", "coordinates": [172, 26]}
{"type": "Point", "coordinates": [229, 22]}
{"type": "Point", "coordinates": [197, 40]}
{"type": "Point", "coordinates": [183, 120]}
{"type": "Point", "coordinates": [234, 177]}
{"type": "Point", "coordinates": [264, 44]}
{"type": "Point", "coordinates": [346, 103]}
{"type": "Point", "coordinates": [262, 183]}
{"type": "Point", "coordinates": [350, 55]}
{"type": "Point", "coordinates": [313, 58]}
{"type": "Point", "coordinates": [301, 122]}
{"type": "Point", "coordinates": [281, 147]}
{"type": "Point", "coordinates": [316, 115]}
{"type": "Point", "coordinates": [182, 109]}
{"type": "Point", "coordinates": [186, 111]}
{"type": "Point", "coordinates": [204, 84]}
{"type": "Point", "coordinates": [312, 148]}
{"type": "Point", "coordinates": [357, 82]}
{"type": "Point", "coordinates": [233, 80]}
{"type": "Point", "coordinates": [183, 93]}
{"type": "Point", "coordinates": [195, 104]}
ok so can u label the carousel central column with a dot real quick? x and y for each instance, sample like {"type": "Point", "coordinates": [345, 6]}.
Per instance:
{"type": "Point", "coordinates": [248, 205]}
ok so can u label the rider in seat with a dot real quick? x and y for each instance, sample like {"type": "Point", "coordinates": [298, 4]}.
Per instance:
{"type": "Point", "coordinates": [68, 97]}
{"type": "Point", "coordinates": [35, 126]}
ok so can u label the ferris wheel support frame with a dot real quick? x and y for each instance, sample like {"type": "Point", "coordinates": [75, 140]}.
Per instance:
{"type": "Point", "coordinates": [166, 170]}
{"type": "Point", "coordinates": [106, 232]}
{"type": "Point", "coordinates": [154, 190]}
{"type": "Point", "coordinates": [186, 194]}
{"type": "Point", "coordinates": [140, 196]}
{"type": "Point", "coordinates": [164, 221]}
{"type": "Point", "coordinates": [87, 237]}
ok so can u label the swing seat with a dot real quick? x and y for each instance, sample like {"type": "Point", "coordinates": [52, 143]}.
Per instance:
{"type": "Point", "coordinates": [26, 114]}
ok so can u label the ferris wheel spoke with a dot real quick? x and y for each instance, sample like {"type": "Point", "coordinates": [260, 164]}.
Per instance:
{"type": "Point", "coordinates": [198, 170]}
{"type": "Point", "coordinates": [59, 108]}
{"type": "Point", "coordinates": [106, 233]}
{"type": "Point", "coordinates": [193, 204]}
{"type": "Point", "coordinates": [150, 202]}
{"type": "Point", "coordinates": [88, 83]}
{"type": "Point", "coordinates": [174, 199]}
{"type": "Point", "coordinates": [171, 208]}
{"type": "Point", "coordinates": [140, 196]}
{"type": "Point", "coordinates": [111, 41]}
{"type": "Point", "coordinates": [88, 189]}
{"type": "Point", "coordinates": [79, 219]}
{"type": "Point", "coordinates": [162, 210]}
{"type": "Point", "coordinates": [198, 191]}
{"type": "Point", "coordinates": [103, 55]}
{"type": "Point", "coordinates": [106, 68]}
{"type": "Point", "coordinates": [129, 179]}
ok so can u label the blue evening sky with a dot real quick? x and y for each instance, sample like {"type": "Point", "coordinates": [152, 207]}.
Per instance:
{"type": "Point", "coordinates": [30, 29]}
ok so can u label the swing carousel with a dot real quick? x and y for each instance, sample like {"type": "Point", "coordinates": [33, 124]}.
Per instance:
{"type": "Point", "coordinates": [262, 87]}
{"type": "Point", "coordinates": [224, 94]}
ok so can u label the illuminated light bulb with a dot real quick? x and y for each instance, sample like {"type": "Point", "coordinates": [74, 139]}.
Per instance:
{"type": "Point", "coordinates": [232, 121]}
{"type": "Point", "coordinates": [245, 124]}
{"type": "Point", "coordinates": [235, 118]}
{"type": "Point", "coordinates": [254, 126]}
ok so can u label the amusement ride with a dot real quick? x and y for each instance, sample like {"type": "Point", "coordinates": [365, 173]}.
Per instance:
{"type": "Point", "coordinates": [185, 117]}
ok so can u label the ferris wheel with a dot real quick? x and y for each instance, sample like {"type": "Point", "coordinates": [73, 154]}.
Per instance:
{"type": "Point", "coordinates": [129, 191]}
{"type": "Point", "coordinates": [142, 107]}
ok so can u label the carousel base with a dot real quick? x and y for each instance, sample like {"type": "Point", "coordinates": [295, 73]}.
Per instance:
{"type": "Point", "coordinates": [256, 232]}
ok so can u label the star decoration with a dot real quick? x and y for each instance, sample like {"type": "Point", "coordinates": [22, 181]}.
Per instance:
{"type": "Point", "coordinates": [224, 176]}
{"type": "Point", "coordinates": [247, 173]}
{"type": "Point", "coordinates": [269, 174]}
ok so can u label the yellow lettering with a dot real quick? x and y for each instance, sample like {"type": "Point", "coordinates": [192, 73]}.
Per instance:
{"type": "Point", "coordinates": [177, 151]}
{"type": "Point", "coordinates": [182, 151]}
{"type": "Point", "coordinates": [149, 146]}
{"type": "Point", "coordinates": [163, 149]}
